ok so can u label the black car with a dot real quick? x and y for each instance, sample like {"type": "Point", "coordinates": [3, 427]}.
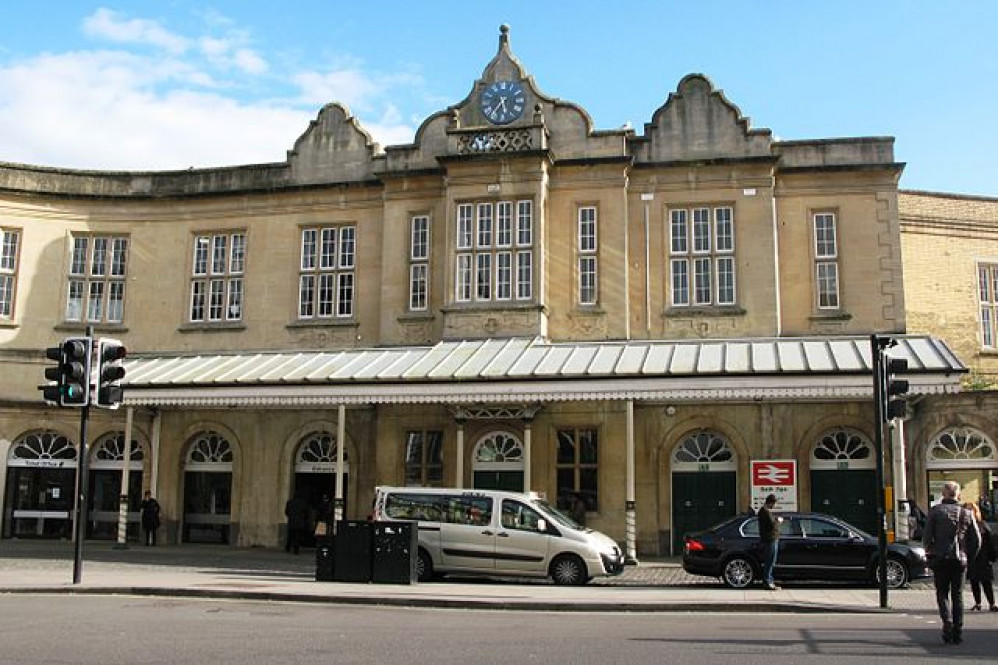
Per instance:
{"type": "Point", "coordinates": [812, 547]}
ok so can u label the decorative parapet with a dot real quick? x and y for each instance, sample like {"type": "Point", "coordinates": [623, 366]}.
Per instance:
{"type": "Point", "coordinates": [497, 140]}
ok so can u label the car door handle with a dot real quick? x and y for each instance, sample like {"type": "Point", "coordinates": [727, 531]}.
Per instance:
{"type": "Point", "coordinates": [487, 532]}
{"type": "Point", "coordinates": [502, 534]}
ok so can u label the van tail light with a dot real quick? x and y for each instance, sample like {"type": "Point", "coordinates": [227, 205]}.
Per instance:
{"type": "Point", "coordinates": [693, 545]}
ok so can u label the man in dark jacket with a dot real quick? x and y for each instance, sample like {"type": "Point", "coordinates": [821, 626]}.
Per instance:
{"type": "Point", "coordinates": [296, 510]}
{"type": "Point", "coordinates": [951, 539]}
{"type": "Point", "coordinates": [769, 534]}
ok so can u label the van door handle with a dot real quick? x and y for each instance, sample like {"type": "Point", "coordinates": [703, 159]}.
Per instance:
{"type": "Point", "coordinates": [488, 533]}
{"type": "Point", "coordinates": [502, 534]}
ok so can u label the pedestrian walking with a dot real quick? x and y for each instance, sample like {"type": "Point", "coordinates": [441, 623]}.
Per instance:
{"type": "Point", "coordinates": [951, 539]}
{"type": "Point", "coordinates": [769, 534]}
{"type": "Point", "coordinates": [150, 517]}
{"type": "Point", "coordinates": [979, 571]}
{"type": "Point", "coordinates": [297, 512]}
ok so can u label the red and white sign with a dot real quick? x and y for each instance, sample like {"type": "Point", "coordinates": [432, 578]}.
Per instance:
{"type": "Point", "coordinates": [777, 477]}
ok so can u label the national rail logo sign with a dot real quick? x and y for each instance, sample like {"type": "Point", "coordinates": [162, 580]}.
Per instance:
{"type": "Point", "coordinates": [777, 477]}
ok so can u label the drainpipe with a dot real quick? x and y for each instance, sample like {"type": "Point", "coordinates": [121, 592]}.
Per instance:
{"type": "Point", "coordinates": [776, 262]}
{"type": "Point", "coordinates": [647, 198]}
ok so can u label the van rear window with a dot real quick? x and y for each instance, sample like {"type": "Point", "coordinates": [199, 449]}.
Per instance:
{"type": "Point", "coordinates": [451, 508]}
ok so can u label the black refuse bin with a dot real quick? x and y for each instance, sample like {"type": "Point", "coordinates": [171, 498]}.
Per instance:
{"type": "Point", "coordinates": [324, 559]}
{"type": "Point", "coordinates": [395, 548]}
{"type": "Point", "coordinates": [352, 551]}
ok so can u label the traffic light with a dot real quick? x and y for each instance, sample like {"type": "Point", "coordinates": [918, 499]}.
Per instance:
{"type": "Point", "coordinates": [53, 394]}
{"type": "Point", "coordinates": [894, 388]}
{"type": "Point", "coordinates": [110, 353]}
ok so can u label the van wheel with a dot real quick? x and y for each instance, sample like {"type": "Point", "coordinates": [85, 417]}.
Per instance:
{"type": "Point", "coordinates": [424, 566]}
{"type": "Point", "coordinates": [569, 570]}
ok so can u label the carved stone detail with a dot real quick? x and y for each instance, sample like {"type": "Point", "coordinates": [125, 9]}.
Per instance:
{"type": "Point", "coordinates": [498, 140]}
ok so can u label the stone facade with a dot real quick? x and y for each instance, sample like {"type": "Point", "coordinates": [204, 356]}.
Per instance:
{"type": "Point", "coordinates": [698, 155]}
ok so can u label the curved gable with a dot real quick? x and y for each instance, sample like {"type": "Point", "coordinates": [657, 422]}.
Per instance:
{"type": "Point", "coordinates": [334, 148]}
{"type": "Point", "coordinates": [698, 122]}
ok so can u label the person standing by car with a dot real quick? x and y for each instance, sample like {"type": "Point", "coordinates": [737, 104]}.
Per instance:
{"type": "Point", "coordinates": [979, 571]}
{"type": "Point", "coordinates": [769, 533]}
{"type": "Point", "coordinates": [951, 539]}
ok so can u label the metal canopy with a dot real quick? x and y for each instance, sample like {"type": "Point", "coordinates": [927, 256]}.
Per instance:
{"type": "Point", "coordinates": [521, 369]}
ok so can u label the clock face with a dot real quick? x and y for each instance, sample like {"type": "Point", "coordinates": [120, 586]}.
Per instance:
{"type": "Point", "coordinates": [503, 102]}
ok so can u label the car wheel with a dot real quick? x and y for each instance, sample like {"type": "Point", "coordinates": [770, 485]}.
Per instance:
{"type": "Point", "coordinates": [424, 566]}
{"type": "Point", "coordinates": [738, 572]}
{"type": "Point", "coordinates": [569, 570]}
{"type": "Point", "coordinates": [897, 573]}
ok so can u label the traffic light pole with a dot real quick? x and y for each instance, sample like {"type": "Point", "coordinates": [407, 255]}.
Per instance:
{"type": "Point", "coordinates": [82, 477]}
{"type": "Point", "coordinates": [879, 397]}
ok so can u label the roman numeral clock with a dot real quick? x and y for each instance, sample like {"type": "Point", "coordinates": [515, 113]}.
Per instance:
{"type": "Point", "coordinates": [502, 102]}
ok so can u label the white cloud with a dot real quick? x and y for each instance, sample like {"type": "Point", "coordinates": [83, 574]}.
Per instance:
{"type": "Point", "coordinates": [249, 61]}
{"type": "Point", "coordinates": [108, 24]}
{"type": "Point", "coordinates": [181, 107]}
{"type": "Point", "coordinates": [349, 86]}
{"type": "Point", "coordinates": [102, 110]}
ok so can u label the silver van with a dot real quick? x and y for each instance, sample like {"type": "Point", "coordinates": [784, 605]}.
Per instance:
{"type": "Point", "coordinates": [498, 533]}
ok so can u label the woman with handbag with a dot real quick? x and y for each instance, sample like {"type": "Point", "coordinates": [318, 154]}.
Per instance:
{"type": "Point", "coordinates": [979, 571]}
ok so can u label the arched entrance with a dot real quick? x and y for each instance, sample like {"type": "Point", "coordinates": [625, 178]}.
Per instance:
{"type": "Point", "coordinates": [105, 486]}
{"type": "Point", "coordinates": [207, 489]}
{"type": "Point", "coordinates": [968, 456]}
{"type": "Point", "coordinates": [41, 481]}
{"type": "Point", "coordinates": [315, 475]}
{"type": "Point", "coordinates": [704, 483]}
{"type": "Point", "coordinates": [498, 462]}
{"type": "Point", "coordinates": [844, 478]}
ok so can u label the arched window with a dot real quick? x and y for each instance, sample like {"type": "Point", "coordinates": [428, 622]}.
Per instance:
{"type": "Point", "coordinates": [209, 451]}
{"type": "Point", "coordinates": [499, 448]}
{"type": "Point", "coordinates": [703, 450]}
{"type": "Point", "coordinates": [317, 454]}
{"type": "Point", "coordinates": [843, 448]}
{"type": "Point", "coordinates": [47, 448]}
{"type": "Point", "coordinates": [957, 447]}
{"type": "Point", "coordinates": [109, 452]}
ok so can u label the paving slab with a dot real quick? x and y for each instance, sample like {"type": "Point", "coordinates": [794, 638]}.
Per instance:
{"type": "Point", "coordinates": [222, 572]}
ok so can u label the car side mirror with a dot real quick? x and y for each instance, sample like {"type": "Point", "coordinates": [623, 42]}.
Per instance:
{"type": "Point", "coordinates": [542, 525]}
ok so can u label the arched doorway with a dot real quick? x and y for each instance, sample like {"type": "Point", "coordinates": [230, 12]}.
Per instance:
{"type": "Point", "coordinates": [105, 486]}
{"type": "Point", "coordinates": [41, 482]}
{"type": "Point", "coordinates": [704, 483]}
{"type": "Point", "coordinates": [498, 463]}
{"type": "Point", "coordinates": [207, 489]}
{"type": "Point", "coordinates": [844, 478]}
{"type": "Point", "coordinates": [967, 456]}
{"type": "Point", "coordinates": [315, 475]}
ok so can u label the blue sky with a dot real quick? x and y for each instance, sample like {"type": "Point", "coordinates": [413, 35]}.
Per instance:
{"type": "Point", "coordinates": [178, 83]}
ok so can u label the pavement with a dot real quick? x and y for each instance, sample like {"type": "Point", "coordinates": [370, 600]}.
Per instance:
{"type": "Point", "coordinates": [224, 572]}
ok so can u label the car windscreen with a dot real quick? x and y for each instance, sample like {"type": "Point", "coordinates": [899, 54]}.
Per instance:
{"type": "Point", "coordinates": [558, 516]}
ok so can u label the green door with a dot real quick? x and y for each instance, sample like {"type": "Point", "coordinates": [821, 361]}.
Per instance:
{"type": "Point", "coordinates": [850, 495]}
{"type": "Point", "coordinates": [700, 499]}
{"type": "Point", "coordinates": [507, 481]}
